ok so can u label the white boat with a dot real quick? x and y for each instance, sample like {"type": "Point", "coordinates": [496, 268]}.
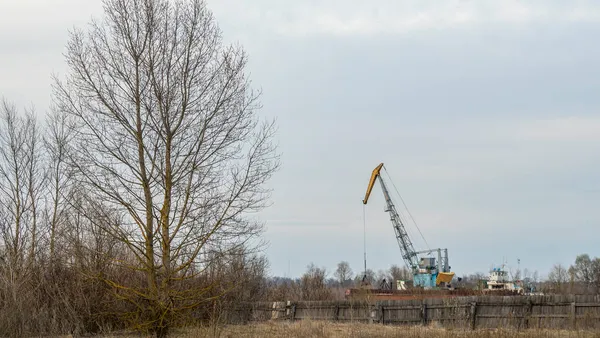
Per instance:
{"type": "Point", "coordinates": [499, 280]}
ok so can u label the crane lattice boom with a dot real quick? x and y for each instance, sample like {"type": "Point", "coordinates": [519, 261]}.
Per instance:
{"type": "Point", "coordinates": [406, 247]}
{"type": "Point", "coordinates": [425, 272]}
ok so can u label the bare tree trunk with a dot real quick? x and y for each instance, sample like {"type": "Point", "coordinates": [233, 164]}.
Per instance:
{"type": "Point", "coordinates": [35, 177]}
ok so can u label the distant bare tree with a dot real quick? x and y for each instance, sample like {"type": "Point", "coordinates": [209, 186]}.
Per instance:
{"type": "Point", "coordinates": [366, 277]}
{"type": "Point", "coordinates": [343, 273]}
{"type": "Point", "coordinates": [472, 280]}
{"type": "Point", "coordinates": [284, 289]}
{"type": "Point", "coordinates": [587, 272]}
{"type": "Point", "coordinates": [535, 277]}
{"type": "Point", "coordinates": [21, 188]}
{"type": "Point", "coordinates": [168, 137]}
{"type": "Point", "coordinates": [558, 278]}
{"type": "Point", "coordinates": [596, 275]}
{"type": "Point", "coordinates": [478, 276]}
{"type": "Point", "coordinates": [21, 180]}
{"type": "Point", "coordinates": [583, 269]}
{"type": "Point", "coordinates": [526, 274]}
{"type": "Point", "coordinates": [517, 274]}
{"type": "Point", "coordinates": [313, 284]}
{"type": "Point", "coordinates": [400, 273]}
{"type": "Point", "coordinates": [528, 281]}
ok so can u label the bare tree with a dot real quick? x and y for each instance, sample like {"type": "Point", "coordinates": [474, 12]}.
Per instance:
{"type": "Point", "coordinates": [365, 278]}
{"type": "Point", "coordinates": [343, 273]}
{"type": "Point", "coordinates": [535, 276]}
{"type": "Point", "coordinates": [587, 272]}
{"type": "Point", "coordinates": [516, 274]}
{"type": "Point", "coordinates": [473, 281]}
{"type": "Point", "coordinates": [583, 270]}
{"type": "Point", "coordinates": [21, 184]}
{"type": "Point", "coordinates": [284, 289]}
{"type": "Point", "coordinates": [596, 274]}
{"type": "Point", "coordinates": [400, 273]}
{"type": "Point", "coordinates": [526, 274]}
{"type": "Point", "coordinates": [558, 278]}
{"type": "Point", "coordinates": [313, 285]}
{"type": "Point", "coordinates": [21, 179]}
{"type": "Point", "coordinates": [56, 140]}
{"type": "Point", "coordinates": [168, 136]}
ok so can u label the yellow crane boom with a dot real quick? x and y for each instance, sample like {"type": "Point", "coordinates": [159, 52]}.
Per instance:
{"type": "Point", "coordinates": [374, 175]}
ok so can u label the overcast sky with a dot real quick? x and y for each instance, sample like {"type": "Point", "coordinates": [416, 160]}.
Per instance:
{"type": "Point", "coordinates": [485, 113]}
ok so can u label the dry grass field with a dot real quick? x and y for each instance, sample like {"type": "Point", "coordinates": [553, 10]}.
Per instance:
{"type": "Point", "coordinates": [314, 329]}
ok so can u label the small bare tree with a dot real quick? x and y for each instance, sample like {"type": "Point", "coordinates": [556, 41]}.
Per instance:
{"type": "Point", "coordinates": [343, 273]}
{"type": "Point", "coordinates": [168, 137]}
{"type": "Point", "coordinates": [558, 278]}
{"type": "Point", "coordinates": [313, 284]}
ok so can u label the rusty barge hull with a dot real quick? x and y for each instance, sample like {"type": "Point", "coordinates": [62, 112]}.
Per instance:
{"type": "Point", "coordinates": [381, 294]}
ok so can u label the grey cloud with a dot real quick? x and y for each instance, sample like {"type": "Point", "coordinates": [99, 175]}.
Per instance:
{"type": "Point", "coordinates": [387, 17]}
{"type": "Point", "coordinates": [461, 118]}
{"type": "Point", "coordinates": [471, 118]}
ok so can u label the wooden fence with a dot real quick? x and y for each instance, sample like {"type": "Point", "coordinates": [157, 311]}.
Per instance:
{"type": "Point", "coordinates": [475, 312]}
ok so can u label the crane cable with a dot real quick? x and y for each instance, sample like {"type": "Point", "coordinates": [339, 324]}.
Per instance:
{"type": "Point", "coordinates": [408, 211]}
{"type": "Point", "coordinates": [365, 237]}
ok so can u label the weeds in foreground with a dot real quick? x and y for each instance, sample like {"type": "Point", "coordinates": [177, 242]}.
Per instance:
{"type": "Point", "coordinates": [319, 329]}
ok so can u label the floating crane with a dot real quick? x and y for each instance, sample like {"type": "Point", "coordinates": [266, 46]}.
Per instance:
{"type": "Point", "coordinates": [426, 273]}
